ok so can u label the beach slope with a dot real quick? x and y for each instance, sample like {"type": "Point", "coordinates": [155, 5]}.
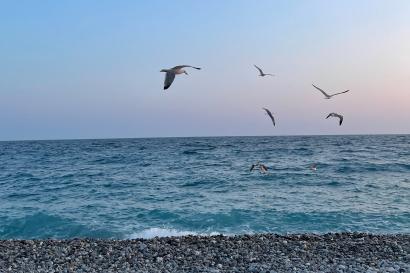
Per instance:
{"type": "Point", "coordinates": [338, 252]}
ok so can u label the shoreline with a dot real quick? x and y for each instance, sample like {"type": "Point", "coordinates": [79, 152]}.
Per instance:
{"type": "Point", "coordinates": [333, 252]}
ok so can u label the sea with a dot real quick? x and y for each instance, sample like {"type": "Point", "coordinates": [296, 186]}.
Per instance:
{"type": "Point", "coordinates": [142, 188]}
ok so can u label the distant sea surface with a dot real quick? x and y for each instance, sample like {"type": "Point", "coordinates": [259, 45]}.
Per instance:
{"type": "Point", "coordinates": [132, 188]}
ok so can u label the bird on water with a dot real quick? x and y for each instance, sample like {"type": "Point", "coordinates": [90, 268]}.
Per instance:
{"type": "Point", "coordinates": [262, 168]}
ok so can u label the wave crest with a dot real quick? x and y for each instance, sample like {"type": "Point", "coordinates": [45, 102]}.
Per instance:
{"type": "Point", "coordinates": [160, 232]}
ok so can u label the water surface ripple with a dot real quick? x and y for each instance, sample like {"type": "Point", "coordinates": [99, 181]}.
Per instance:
{"type": "Point", "coordinates": [122, 188]}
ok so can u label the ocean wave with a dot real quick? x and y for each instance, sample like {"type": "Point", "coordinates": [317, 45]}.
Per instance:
{"type": "Point", "coordinates": [110, 159]}
{"type": "Point", "coordinates": [17, 195]}
{"type": "Point", "coordinates": [69, 189]}
{"type": "Point", "coordinates": [199, 182]}
{"type": "Point", "coordinates": [199, 145]}
{"type": "Point", "coordinates": [374, 167]}
{"type": "Point", "coordinates": [190, 152]}
{"type": "Point", "coordinates": [153, 232]}
{"type": "Point", "coordinates": [160, 232]}
{"type": "Point", "coordinates": [197, 150]}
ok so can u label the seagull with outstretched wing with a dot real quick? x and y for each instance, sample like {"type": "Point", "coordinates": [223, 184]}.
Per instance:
{"type": "Point", "coordinates": [335, 115]}
{"type": "Point", "coordinates": [170, 74]}
{"type": "Point", "coordinates": [261, 74]}
{"type": "Point", "coordinates": [327, 96]}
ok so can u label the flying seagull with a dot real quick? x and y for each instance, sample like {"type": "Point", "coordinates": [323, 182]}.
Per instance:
{"type": "Point", "coordinates": [170, 74]}
{"type": "Point", "coordinates": [270, 115]}
{"type": "Point", "coordinates": [261, 74]}
{"type": "Point", "coordinates": [334, 115]}
{"type": "Point", "coordinates": [327, 96]}
{"type": "Point", "coordinates": [313, 167]}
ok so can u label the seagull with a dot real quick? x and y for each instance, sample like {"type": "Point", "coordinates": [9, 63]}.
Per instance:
{"type": "Point", "coordinates": [170, 74]}
{"type": "Point", "coordinates": [261, 74]}
{"type": "Point", "coordinates": [327, 96]}
{"type": "Point", "coordinates": [262, 168]}
{"type": "Point", "coordinates": [270, 115]}
{"type": "Point", "coordinates": [334, 115]}
{"type": "Point", "coordinates": [313, 167]}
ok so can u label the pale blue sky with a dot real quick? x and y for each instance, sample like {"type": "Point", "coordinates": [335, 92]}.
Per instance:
{"type": "Point", "coordinates": [90, 69]}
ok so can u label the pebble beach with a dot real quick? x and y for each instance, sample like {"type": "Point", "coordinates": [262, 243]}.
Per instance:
{"type": "Point", "coordinates": [333, 252]}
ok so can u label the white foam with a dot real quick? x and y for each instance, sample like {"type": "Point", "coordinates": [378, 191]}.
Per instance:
{"type": "Point", "coordinates": [164, 232]}
{"type": "Point", "coordinates": [160, 232]}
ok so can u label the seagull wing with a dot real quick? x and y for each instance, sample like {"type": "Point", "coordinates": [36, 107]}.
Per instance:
{"type": "Point", "coordinates": [264, 168]}
{"type": "Point", "coordinates": [260, 70]}
{"type": "Point", "coordinates": [323, 92]}
{"type": "Point", "coordinates": [273, 120]}
{"type": "Point", "coordinates": [330, 115]}
{"type": "Point", "coordinates": [270, 115]}
{"type": "Point", "coordinates": [340, 119]}
{"type": "Point", "coordinates": [252, 167]}
{"type": "Point", "coordinates": [169, 78]}
{"type": "Point", "coordinates": [340, 93]}
{"type": "Point", "coordinates": [182, 66]}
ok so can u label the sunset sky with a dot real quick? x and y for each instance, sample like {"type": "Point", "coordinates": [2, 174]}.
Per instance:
{"type": "Point", "coordinates": [90, 69]}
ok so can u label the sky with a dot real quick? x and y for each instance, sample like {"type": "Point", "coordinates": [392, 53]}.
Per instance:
{"type": "Point", "coordinates": [91, 69]}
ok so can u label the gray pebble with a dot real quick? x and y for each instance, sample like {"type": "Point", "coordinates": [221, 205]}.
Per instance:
{"type": "Point", "coordinates": [338, 252]}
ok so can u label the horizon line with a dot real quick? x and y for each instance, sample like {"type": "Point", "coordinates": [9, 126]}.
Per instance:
{"type": "Point", "coordinates": [213, 136]}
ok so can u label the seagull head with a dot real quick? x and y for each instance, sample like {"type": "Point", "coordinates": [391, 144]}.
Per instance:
{"type": "Point", "coordinates": [164, 70]}
{"type": "Point", "coordinates": [186, 73]}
